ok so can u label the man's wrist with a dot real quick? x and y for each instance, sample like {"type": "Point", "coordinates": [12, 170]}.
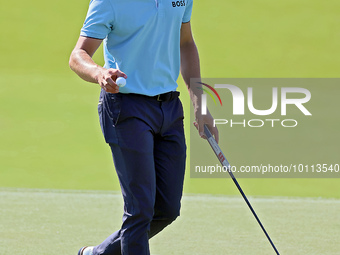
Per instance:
{"type": "Point", "coordinates": [98, 74]}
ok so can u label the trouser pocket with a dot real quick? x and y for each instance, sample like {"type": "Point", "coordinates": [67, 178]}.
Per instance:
{"type": "Point", "coordinates": [109, 108]}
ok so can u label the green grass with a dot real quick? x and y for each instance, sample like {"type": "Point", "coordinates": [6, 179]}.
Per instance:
{"type": "Point", "coordinates": [268, 38]}
{"type": "Point", "coordinates": [50, 136]}
{"type": "Point", "coordinates": [60, 222]}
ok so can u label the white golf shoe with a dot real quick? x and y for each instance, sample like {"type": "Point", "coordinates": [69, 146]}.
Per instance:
{"type": "Point", "coordinates": [87, 250]}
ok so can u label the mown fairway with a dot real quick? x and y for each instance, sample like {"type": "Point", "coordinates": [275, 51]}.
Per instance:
{"type": "Point", "coordinates": [43, 222]}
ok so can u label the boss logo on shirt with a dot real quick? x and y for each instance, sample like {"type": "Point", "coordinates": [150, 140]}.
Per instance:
{"type": "Point", "coordinates": [178, 3]}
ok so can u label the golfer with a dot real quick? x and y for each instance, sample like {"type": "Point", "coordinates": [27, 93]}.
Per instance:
{"type": "Point", "coordinates": [151, 42]}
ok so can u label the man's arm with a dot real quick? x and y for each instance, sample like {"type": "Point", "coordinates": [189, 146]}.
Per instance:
{"type": "Point", "coordinates": [81, 63]}
{"type": "Point", "coordinates": [190, 68]}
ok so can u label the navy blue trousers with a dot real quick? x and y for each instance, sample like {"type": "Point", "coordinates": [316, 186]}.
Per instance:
{"type": "Point", "coordinates": [147, 140]}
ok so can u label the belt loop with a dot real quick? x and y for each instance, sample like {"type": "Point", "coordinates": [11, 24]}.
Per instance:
{"type": "Point", "coordinates": [159, 97]}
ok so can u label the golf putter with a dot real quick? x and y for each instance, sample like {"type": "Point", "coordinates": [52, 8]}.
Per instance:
{"type": "Point", "coordinates": [223, 160]}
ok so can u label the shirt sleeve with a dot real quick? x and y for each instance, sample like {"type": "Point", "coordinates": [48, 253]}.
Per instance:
{"type": "Point", "coordinates": [99, 19]}
{"type": "Point", "coordinates": [188, 11]}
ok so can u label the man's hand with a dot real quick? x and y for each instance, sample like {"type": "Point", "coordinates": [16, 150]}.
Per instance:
{"type": "Point", "coordinates": [81, 63]}
{"type": "Point", "coordinates": [208, 120]}
{"type": "Point", "coordinates": [107, 79]}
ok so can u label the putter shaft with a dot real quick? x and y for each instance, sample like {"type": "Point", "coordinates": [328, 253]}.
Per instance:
{"type": "Point", "coordinates": [223, 160]}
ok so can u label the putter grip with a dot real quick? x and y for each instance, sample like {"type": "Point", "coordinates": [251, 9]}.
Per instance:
{"type": "Point", "coordinates": [217, 150]}
{"type": "Point", "coordinates": [207, 132]}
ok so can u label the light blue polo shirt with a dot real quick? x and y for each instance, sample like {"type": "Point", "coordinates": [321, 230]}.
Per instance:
{"type": "Point", "coordinates": [143, 36]}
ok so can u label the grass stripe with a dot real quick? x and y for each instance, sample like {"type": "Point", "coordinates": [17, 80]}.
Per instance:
{"type": "Point", "coordinates": [38, 221]}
